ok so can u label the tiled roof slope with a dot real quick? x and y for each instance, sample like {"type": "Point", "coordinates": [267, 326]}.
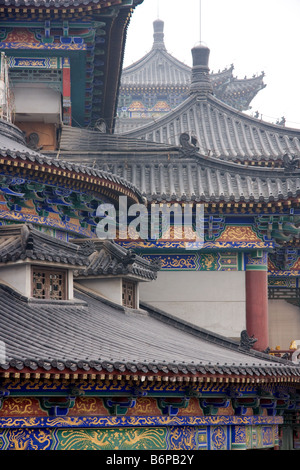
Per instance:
{"type": "Point", "coordinates": [183, 174]}
{"type": "Point", "coordinates": [157, 67]}
{"type": "Point", "coordinates": [74, 138]}
{"type": "Point", "coordinates": [93, 335]}
{"type": "Point", "coordinates": [219, 129]}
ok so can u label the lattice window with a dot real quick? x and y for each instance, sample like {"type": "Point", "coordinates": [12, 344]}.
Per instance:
{"type": "Point", "coordinates": [48, 284]}
{"type": "Point", "coordinates": [53, 78]}
{"type": "Point", "coordinates": [129, 294]}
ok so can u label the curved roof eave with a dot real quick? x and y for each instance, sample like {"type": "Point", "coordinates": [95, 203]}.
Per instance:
{"type": "Point", "coordinates": [222, 131]}
{"type": "Point", "coordinates": [60, 3]}
{"type": "Point", "coordinates": [16, 150]}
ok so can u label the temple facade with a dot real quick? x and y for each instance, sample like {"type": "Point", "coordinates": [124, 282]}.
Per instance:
{"type": "Point", "coordinates": [163, 340]}
{"type": "Point", "coordinates": [243, 172]}
{"type": "Point", "coordinates": [85, 363]}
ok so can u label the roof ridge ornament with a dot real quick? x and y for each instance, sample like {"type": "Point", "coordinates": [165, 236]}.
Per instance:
{"type": "Point", "coordinates": [290, 162]}
{"type": "Point", "coordinates": [188, 145]}
{"type": "Point", "coordinates": [200, 80]}
{"type": "Point", "coordinates": [246, 341]}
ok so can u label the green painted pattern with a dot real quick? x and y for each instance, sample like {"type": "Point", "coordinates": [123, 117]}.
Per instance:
{"type": "Point", "coordinates": [112, 439]}
{"type": "Point", "coordinates": [219, 437]}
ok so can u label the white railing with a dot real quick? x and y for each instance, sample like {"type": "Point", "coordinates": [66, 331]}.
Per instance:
{"type": "Point", "coordinates": [6, 97]}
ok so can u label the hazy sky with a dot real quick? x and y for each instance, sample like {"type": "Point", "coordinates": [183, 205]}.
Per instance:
{"type": "Point", "coordinates": [253, 35]}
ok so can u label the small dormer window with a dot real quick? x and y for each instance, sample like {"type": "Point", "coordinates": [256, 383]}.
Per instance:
{"type": "Point", "coordinates": [49, 283]}
{"type": "Point", "coordinates": [129, 294]}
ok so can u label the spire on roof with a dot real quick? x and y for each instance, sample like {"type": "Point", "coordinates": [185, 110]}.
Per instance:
{"type": "Point", "coordinates": [158, 34]}
{"type": "Point", "coordinates": [200, 81]}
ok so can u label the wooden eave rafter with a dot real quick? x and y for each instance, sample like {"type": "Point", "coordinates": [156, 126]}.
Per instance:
{"type": "Point", "coordinates": [263, 206]}
{"type": "Point", "coordinates": [269, 376]}
{"type": "Point", "coordinates": [56, 10]}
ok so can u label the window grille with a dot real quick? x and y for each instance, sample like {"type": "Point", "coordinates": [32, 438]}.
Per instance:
{"type": "Point", "coordinates": [129, 294]}
{"type": "Point", "coordinates": [48, 284]}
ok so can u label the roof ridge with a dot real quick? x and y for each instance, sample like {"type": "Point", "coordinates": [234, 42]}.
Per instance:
{"type": "Point", "coordinates": [36, 245]}
{"type": "Point", "coordinates": [206, 334]}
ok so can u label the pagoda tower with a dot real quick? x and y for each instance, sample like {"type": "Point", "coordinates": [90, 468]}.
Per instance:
{"type": "Point", "coordinates": [158, 82]}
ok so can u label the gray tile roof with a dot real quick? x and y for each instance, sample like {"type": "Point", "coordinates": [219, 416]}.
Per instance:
{"type": "Point", "coordinates": [90, 257]}
{"type": "Point", "coordinates": [23, 242]}
{"type": "Point", "coordinates": [157, 67]}
{"type": "Point", "coordinates": [221, 131]}
{"type": "Point", "coordinates": [108, 258]}
{"type": "Point", "coordinates": [92, 140]}
{"type": "Point", "coordinates": [12, 145]}
{"type": "Point", "coordinates": [239, 92]}
{"type": "Point", "coordinates": [184, 174]}
{"type": "Point", "coordinates": [93, 335]}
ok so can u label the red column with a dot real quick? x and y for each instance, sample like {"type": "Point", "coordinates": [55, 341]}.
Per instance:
{"type": "Point", "coordinates": [67, 116]}
{"type": "Point", "coordinates": [257, 307]}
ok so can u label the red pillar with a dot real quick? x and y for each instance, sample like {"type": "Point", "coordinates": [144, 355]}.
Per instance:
{"type": "Point", "coordinates": [257, 307]}
{"type": "Point", "coordinates": [67, 114]}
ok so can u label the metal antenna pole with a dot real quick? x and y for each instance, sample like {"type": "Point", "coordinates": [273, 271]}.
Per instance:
{"type": "Point", "coordinates": [200, 20]}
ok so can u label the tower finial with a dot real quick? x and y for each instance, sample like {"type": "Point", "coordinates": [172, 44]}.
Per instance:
{"type": "Point", "coordinates": [200, 82]}
{"type": "Point", "coordinates": [158, 34]}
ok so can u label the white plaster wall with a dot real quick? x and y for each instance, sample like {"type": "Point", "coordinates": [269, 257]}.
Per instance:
{"type": "Point", "coordinates": [70, 284]}
{"type": "Point", "coordinates": [284, 323]}
{"type": "Point", "coordinates": [39, 103]}
{"type": "Point", "coordinates": [111, 289]}
{"type": "Point", "coordinates": [18, 277]}
{"type": "Point", "coordinates": [214, 300]}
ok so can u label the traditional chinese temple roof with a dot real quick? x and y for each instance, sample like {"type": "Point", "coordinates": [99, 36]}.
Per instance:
{"type": "Point", "coordinates": [78, 140]}
{"type": "Point", "coordinates": [157, 67]}
{"type": "Point", "coordinates": [160, 68]}
{"type": "Point", "coordinates": [91, 335]}
{"type": "Point", "coordinates": [23, 242]}
{"type": "Point", "coordinates": [219, 130]}
{"type": "Point", "coordinates": [184, 174]}
{"type": "Point", "coordinates": [96, 54]}
{"type": "Point", "coordinates": [108, 259]}
{"type": "Point", "coordinates": [14, 148]}
{"type": "Point", "coordinates": [239, 92]}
